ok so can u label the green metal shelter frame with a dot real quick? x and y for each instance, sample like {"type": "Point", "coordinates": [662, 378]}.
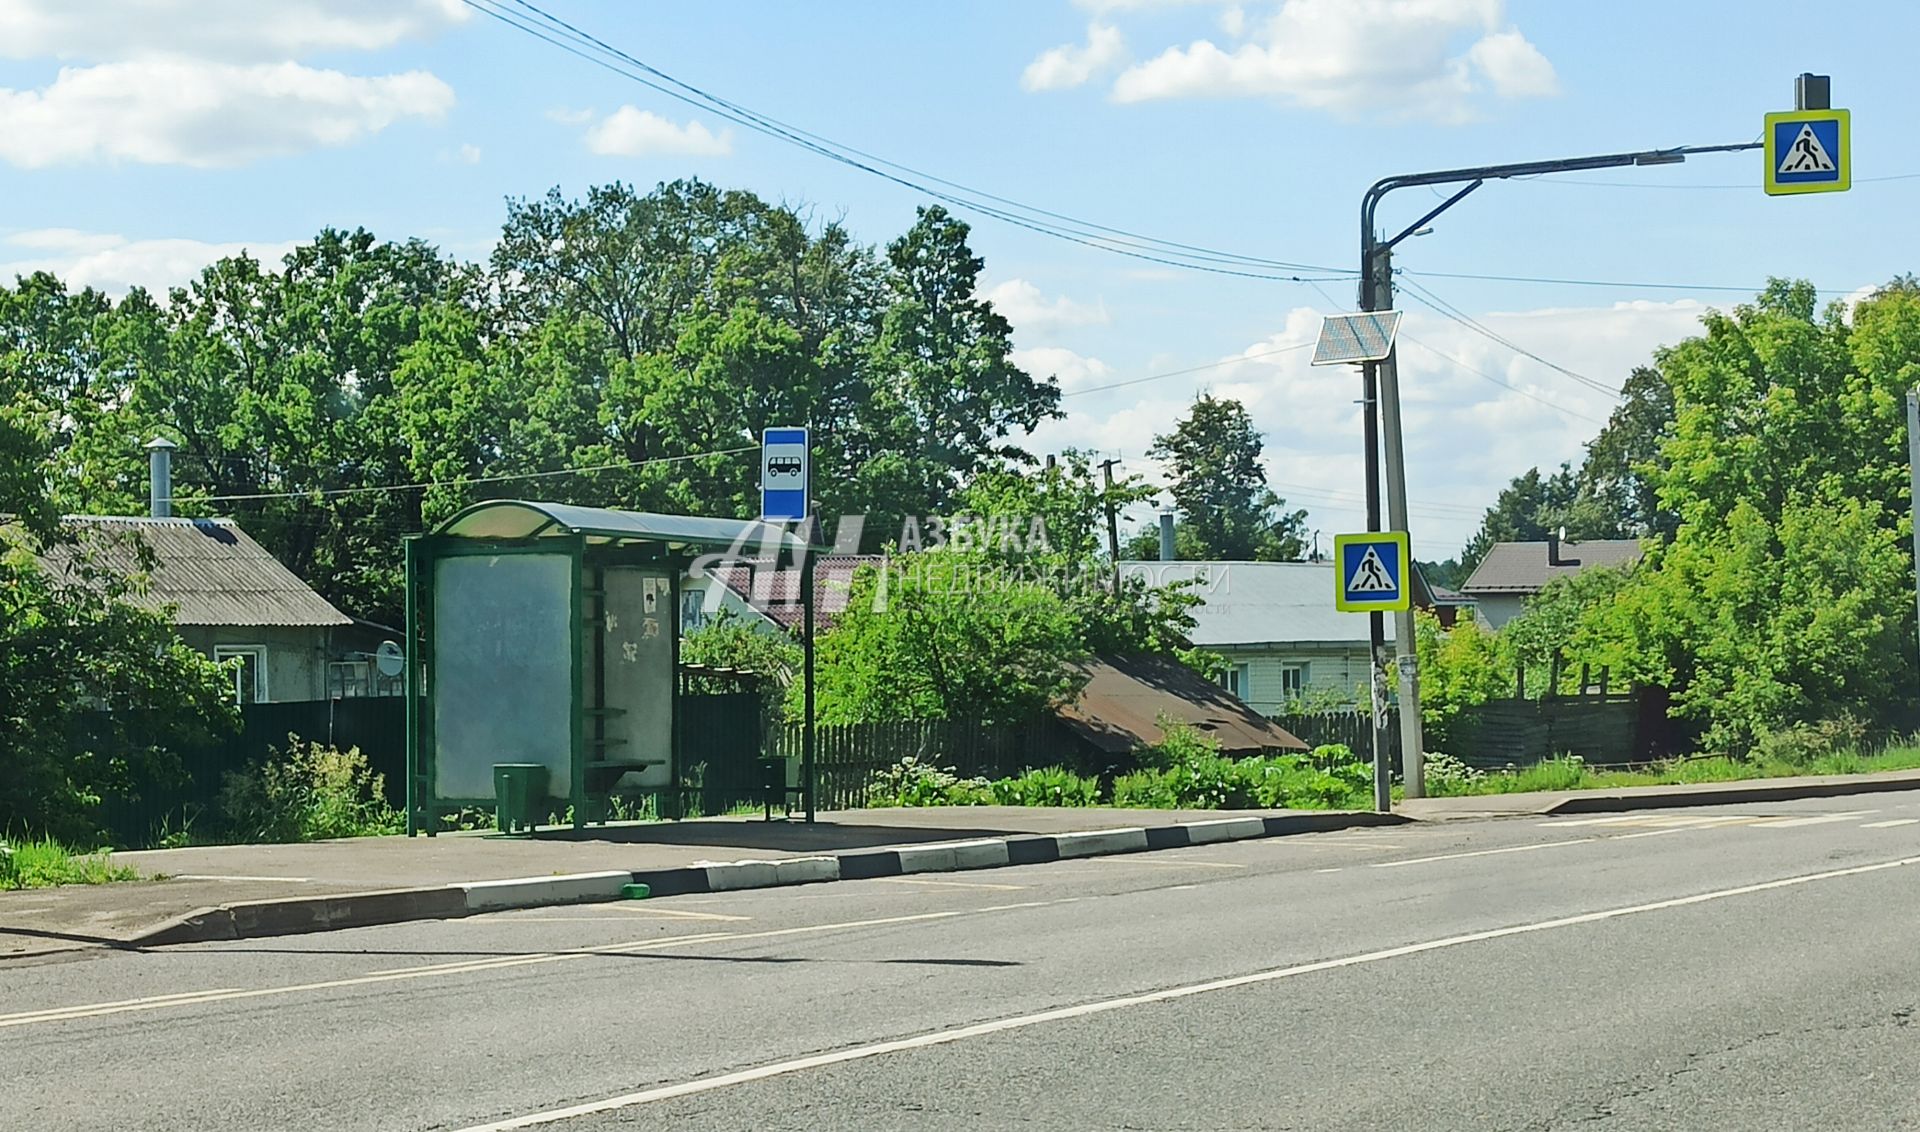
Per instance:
{"type": "Point", "coordinates": [486, 660]}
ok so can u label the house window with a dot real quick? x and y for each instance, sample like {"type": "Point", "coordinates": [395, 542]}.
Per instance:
{"type": "Point", "coordinates": [250, 677]}
{"type": "Point", "coordinates": [1236, 681]}
{"type": "Point", "coordinates": [1293, 681]}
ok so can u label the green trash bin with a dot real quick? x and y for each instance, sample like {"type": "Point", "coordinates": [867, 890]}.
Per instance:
{"type": "Point", "coordinates": [519, 793]}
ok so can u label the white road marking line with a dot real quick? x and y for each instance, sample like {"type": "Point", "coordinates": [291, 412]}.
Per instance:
{"type": "Point", "coordinates": [951, 883]}
{"type": "Point", "coordinates": [1481, 853]}
{"type": "Point", "coordinates": [1179, 887]}
{"type": "Point", "coordinates": [211, 876]}
{"type": "Point", "coordinates": [641, 909]}
{"type": "Point", "coordinates": [1654, 832]}
{"type": "Point", "coordinates": [30, 1015]}
{"type": "Point", "coordinates": [1350, 845]}
{"type": "Point", "coordinates": [1123, 860]}
{"type": "Point", "coordinates": [1818, 819]}
{"type": "Point", "coordinates": [1104, 1006]}
{"type": "Point", "coordinates": [471, 966]}
{"type": "Point", "coordinates": [1891, 824]}
{"type": "Point", "coordinates": [1332, 870]}
{"type": "Point", "coordinates": [1558, 822]}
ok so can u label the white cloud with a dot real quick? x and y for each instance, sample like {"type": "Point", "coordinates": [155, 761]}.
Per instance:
{"type": "Point", "coordinates": [1071, 369]}
{"type": "Point", "coordinates": [1071, 64]}
{"type": "Point", "coordinates": [116, 264]}
{"type": "Point", "coordinates": [1233, 21]}
{"type": "Point", "coordinates": [633, 132]}
{"type": "Point", "coordinates": [1031, 312]}
{"type": "Point", "coordinates": [230, 30]}
{"type": "Point", "coordinates": [177, 112]}
{"type": "Point", "coordinates": [1466, 436]}
{"type": "Point", "coordinates": [469, 153]}
{"type": "Point", "coordinates": [1514, 67]}
{"type": "Point", "coordinates": [1385, 57]}
{"type": "Point", "coordinates": [568, 116]}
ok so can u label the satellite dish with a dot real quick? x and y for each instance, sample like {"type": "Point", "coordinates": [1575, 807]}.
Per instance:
{"type": "Point", "coordinates": [388, 659]}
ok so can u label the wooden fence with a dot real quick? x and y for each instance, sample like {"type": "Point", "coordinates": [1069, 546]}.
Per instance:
{"type": "Point", "coordinates": [849, 758]}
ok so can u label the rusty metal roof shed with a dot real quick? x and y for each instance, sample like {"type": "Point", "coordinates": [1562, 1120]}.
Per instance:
{"type": "Point", "coordinates": [1125, 697]}
{"type": "Point", "coordinates": [209, 570]}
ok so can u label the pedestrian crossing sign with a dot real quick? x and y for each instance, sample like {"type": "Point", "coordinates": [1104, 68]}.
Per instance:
{"type": "Point", "coordinates": [1808, 151]}
{"type": "Point", "coordinates": [1370, 573]}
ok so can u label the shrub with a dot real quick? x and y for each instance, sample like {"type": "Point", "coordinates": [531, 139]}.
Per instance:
{"type": "Point", "coordinates": [1447, 775]}
{"type": "Point", "coordinates": [1054, 786]}
{"type": "Point", "coordinates": [911, 782]}
{"type": "Point", "coordinates": [309, 792]}
{"type": "Point", "coordinates": [1146, 790]}
{"type": "Point", "coordinates": [1180, 743]}
{"type": "Point", "coordinates": [1807, 743]}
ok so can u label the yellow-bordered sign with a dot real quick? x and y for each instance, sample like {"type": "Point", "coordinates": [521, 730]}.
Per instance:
{"type": "Point", "coordinates": [1372, 572]}
{"type": "Point", "coordinates": [1808, 151]}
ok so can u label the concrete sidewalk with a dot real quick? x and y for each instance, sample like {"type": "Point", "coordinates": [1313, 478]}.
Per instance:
{"type": "Point", "coordinates": [1656, 797]}
{"type": "Point", "coordinates": [297, 882]}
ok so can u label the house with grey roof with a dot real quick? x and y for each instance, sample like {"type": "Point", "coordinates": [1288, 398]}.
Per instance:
{"type": "Point", "coordinates": [1276, 624]}
{"type": "Point", "coordinates": [1512, 572]}
{"type": "Point", "coordinates": [229, 598]}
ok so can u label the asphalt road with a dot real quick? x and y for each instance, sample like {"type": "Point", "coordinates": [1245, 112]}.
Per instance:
{"type": "Point", "coordinates": [1703, 969]}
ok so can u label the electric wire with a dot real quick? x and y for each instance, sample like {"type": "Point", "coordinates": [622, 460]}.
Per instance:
{"type": "Point", "coordinates": [1435, 303]}
{"type": "Point", "coordinates": [330, 493]}
{"type": "Point", "coordinates": [1171, 253]}
{"type": "Point", "coordinates": [1554, 405]}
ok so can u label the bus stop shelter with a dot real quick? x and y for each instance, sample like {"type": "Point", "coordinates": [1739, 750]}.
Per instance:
{"type": "Point", "coordinates": [543, 638]}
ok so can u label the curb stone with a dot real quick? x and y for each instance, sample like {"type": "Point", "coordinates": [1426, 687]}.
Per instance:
{"type": "Point", "coordinates": [296, 915]}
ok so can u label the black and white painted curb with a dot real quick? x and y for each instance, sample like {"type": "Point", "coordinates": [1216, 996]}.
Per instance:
{"type": "Point", "coordinates": [328, 913]}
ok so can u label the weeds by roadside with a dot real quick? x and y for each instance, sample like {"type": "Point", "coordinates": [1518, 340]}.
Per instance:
{"type": "Point", "coordinates": [45, 863]}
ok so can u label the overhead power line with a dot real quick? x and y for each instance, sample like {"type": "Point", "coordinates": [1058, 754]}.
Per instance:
{"type": "Point", "coordinates": [1476, 371]}
{"type": "Point", "coordinates": [374, 488]}
{"type": "Point", "coordinates": [535, 21]}
{"type": "Point", "coordinates": [1435, 303]}
{"type": "Point", "coordinates": [1188, 370]}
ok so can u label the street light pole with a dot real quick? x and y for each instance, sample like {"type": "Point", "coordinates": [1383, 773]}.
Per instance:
{"type": "Point", "coordinates": [1382, 394]}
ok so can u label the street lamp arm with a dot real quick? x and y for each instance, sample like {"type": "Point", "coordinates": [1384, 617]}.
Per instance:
{"type": "Point", "coordinates": [1385, 185]}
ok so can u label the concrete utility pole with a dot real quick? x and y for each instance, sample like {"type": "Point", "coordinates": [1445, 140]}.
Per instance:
{"type": "Point", "coordinates": [1377, 294]}
{"type": "Point", "coordinates": [1382, 401]}
{"type": "Point", "coordinates": [1113, 524]}
{"type": "Point", "coordinates": [1913, 461]}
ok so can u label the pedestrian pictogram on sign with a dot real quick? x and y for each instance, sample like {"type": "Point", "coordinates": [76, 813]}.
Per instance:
{"type": "Point", "coordinates": [1370, 577]}
{"type": "Point", "coordinates": [1371, 572]}
{"type": "Point", "coordinates": [1808, 152]}
{"type": "Point", "coordinates": [1807, 155]}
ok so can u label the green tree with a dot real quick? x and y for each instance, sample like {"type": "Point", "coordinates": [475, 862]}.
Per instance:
{"type": "Point", "coordinates": [1783, 596]}
{"type": "Point", "coordinates": [1623, 463]}
{"type": "Point", "coordinates": [1227, 511]}
{"type": "Point", "coordinates": [943, 635]}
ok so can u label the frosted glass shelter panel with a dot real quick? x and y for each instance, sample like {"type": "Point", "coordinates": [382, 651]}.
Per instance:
{"type": "Point", "coordinates": [502, 670]}
{"type": "Point", "coordinates": [639, 627]}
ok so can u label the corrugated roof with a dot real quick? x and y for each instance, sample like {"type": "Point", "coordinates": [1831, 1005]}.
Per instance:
{"type": "Point", "coordinates": [518, 519]}
{"type": "Point", "coordinates": [1124, 699]}
{"type": "Point", "coordinates": [1260, 603]}
{"type": "Point", "coordinates": [209, 569]}
{"type": "Point", "coordinates": [1521, 567]}
{"type": "Point", "coordinates": [778, 595]}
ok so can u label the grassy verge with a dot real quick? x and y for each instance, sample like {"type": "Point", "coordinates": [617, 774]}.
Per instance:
{"type": "Point", "coordinates": [46, 863]}
{"type": "Point", "coordinates": [1571, 774]}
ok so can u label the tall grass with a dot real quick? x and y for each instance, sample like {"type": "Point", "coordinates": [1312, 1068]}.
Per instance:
{"type": "Point", "coordinates": [45, 863]}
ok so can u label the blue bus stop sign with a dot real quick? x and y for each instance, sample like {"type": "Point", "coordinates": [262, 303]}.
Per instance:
{"type": "Point", "coordinates": [784, 474]}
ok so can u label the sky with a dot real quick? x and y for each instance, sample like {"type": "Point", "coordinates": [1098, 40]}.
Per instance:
{"type": "Point", "coordinates": [142, 139]}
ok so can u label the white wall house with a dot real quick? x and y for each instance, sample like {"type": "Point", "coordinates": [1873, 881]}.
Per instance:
{"type": "Point", "coordinates": [1276, 625]}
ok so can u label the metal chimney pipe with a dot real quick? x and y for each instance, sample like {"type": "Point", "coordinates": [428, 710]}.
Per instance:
{"type": "Point", "coordinates": [1166, 535]}
{"type": "Point", "coordinates": [160, 477]}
